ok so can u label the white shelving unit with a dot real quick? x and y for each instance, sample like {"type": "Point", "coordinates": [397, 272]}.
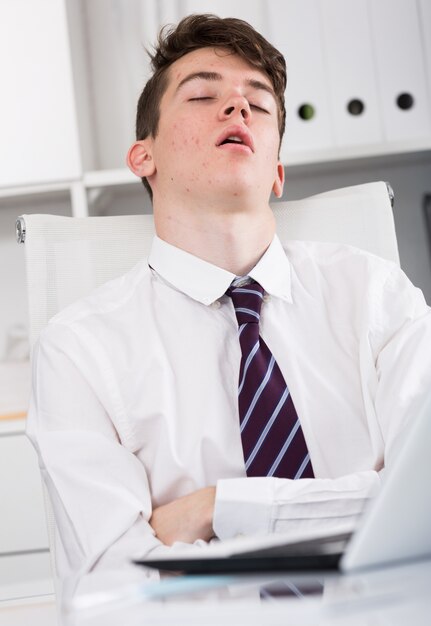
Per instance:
{"type": "Point", "coordinates": [72, 71]}
{"type": "Point", "coordinates": [88, 69]}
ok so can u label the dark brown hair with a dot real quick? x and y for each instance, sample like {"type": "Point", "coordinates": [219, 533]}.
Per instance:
{"type": "Point", "coordinates": [207, 31]}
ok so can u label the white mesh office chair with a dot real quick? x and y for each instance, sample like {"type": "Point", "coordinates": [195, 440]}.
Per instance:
{"type": "Point", "coordinates": [66, 258]}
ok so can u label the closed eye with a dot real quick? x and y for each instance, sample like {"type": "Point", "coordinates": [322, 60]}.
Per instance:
{"type": "Point", "coordinates": [257, 108]}
{"type": "Point", "coordinates": [201, 98]}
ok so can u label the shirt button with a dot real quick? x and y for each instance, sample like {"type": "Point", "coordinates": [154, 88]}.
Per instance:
{"type": "Point", "coordinates": [216, 305]}
{"type": "Point", "coordinates": [266, 297]}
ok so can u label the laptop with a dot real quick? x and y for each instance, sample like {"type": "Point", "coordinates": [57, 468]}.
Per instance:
{"type": "Point", "coordinates": [395, 527]}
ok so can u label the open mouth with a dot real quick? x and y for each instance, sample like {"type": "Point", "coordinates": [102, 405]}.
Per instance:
{"type": "Point", "coordinates": [232, 139]}
{"type": "Point", "coordinates": [236, 136]}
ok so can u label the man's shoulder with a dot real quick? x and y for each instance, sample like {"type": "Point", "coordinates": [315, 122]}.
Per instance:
{"type": "Point", "coordinates": [107, 300]}
{"type": "Point", "coordinates": [328, 269]}
{"type": "Point", "coordinates": [334, 257]}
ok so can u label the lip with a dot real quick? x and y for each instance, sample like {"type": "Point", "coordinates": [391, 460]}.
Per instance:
{"type": "Point", "coordinates": [238, 131]}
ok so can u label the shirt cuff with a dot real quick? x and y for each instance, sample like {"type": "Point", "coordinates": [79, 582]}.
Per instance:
{"type": "Point", "coordinates": [243, 507]}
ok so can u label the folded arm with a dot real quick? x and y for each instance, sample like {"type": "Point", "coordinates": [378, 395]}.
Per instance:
{"type": "Point", "coordinates": [246, 506]}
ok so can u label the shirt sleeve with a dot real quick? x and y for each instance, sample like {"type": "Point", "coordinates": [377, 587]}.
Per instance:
{"type": "Point", "coordinates": [268, 505]}
{"type": "Point", "coordinates": [97, 487]}
{"type": "Point", "coordinates": [401, 347]}
{"type": "Point", "coordinates": [395, 368]}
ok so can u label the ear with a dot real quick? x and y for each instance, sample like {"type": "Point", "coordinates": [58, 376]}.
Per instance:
{"type": "Point", "coordinates": [278, 185]}
{"type": "Point", "coordinates": [140, 159]}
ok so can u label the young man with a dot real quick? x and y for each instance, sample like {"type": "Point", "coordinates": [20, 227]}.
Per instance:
{"type": "Point", "coordinates": [225, 385]}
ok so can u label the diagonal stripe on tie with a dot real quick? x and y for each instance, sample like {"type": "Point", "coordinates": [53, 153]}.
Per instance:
{"type": "Point", "coordinates": [266, 429]}
{"type": "Point", "coordinates": [247, 311]}
{"type": "Point", "coordinates": [271, 432]}
{"type": "Point", "coordinates": [258, 393]}
{"type": "Point", "coordinates": [303, 466]}
{"type": "Point", "coordinates": [244, 290]}
{"type": "Point", "coordinates": [283, 449]}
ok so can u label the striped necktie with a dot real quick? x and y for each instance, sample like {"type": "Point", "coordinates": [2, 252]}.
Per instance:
{"type": "Point", "coordinates": [271, 433]}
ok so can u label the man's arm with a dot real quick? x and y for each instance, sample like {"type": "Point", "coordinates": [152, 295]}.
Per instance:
{"type": "Point", "coordinates": [246, 506]}
{"type": "Point", "coordinates": [99, 489]}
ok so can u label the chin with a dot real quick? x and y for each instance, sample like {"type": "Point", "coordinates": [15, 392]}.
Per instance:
{"type": "Point", "coordinates": [238, 185]}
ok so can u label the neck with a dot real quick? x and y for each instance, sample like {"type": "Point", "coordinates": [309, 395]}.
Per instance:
{"type": "Point", "coordinates": [234, 241]}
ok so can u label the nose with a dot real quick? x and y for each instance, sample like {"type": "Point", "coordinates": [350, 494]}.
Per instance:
{"type": "Point", "coordinates": [236, 105]}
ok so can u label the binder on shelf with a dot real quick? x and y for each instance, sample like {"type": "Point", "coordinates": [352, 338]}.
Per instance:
{"type": "Point", "coordinates": [425, 23]}
{"type": "Point", "coordinates": [118, 67]}
{"type": "Point", "coordinates": [296, 32]}
{"type": "Point", "coordinates": [400, 63]}
{"type": "Point", "coordinates": [352, 85]}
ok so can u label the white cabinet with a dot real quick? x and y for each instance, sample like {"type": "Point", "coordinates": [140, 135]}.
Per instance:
{"type": "Point", "coordinates": [22, 522]}
{"type": "Point", "coordinates": [38, 124]}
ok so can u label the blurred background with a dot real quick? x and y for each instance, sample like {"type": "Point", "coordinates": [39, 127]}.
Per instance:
{"type": "Point", "coordinates": [358, 110]}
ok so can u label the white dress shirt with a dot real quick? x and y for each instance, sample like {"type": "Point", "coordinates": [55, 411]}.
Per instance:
{"type": "Point", "coordinates": [135, 394]}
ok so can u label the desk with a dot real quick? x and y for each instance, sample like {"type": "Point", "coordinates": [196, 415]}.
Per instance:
{"type": "Point", "coordinates": [392, 596]}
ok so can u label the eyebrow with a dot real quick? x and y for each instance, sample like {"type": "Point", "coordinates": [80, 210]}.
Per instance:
{"type": "Point", "coordinates": [215, 76]}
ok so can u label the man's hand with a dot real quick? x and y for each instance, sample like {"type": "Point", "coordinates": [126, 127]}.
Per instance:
{"type": "Point", "coordinates": [186, 519]}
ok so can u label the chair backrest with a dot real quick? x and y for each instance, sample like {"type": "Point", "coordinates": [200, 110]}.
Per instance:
{"type": "Point", "coordinates": [66, 258]}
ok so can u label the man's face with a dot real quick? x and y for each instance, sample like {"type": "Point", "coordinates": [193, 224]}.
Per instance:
{"type": "Point", "coordinates": [218, 131]}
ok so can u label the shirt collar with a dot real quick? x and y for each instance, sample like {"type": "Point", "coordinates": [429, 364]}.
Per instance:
{"type": "Point", "coordinates": [206, 282]}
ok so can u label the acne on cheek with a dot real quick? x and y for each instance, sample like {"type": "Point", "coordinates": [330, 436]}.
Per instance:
{"type": "Point", "coordinates": [178, 146]}
{"type": "Point", "coordinates": [189, 131]}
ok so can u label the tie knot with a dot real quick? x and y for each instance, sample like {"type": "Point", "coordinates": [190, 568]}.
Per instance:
{"type": "Point", "coordinates": [247, 301]}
